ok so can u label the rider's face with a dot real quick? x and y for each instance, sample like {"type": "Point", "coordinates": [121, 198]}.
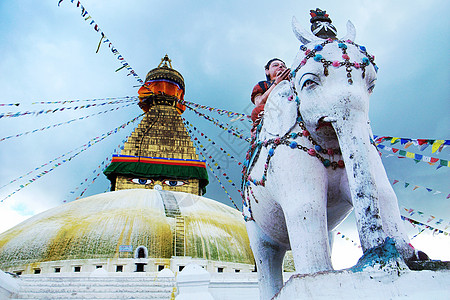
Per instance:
{"type": "Point", "coordinates": [275, 68]}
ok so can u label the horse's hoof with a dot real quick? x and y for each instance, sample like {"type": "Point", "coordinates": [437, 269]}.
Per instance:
{"type": "Point", "coordinates": [419, 256]}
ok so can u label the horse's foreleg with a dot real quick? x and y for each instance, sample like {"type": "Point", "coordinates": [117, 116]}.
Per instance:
{"type": "Point", "coordinates": [389, 211]}
{"type": "Point", "coordinates": [269, 261]}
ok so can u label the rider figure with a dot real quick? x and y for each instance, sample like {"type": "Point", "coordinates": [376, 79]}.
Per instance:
{"type": "Point", "coordinates": [276, 72]}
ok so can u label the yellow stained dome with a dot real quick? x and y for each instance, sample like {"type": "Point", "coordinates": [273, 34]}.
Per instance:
{"type": "Point", "coordinates": [96, 226]}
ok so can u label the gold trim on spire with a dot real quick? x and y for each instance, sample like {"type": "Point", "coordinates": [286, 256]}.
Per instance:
{"type": "Point", "coordinates": [165, 60]}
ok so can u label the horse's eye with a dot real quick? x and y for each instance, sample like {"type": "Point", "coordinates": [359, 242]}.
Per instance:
{"type": "Point", "coordinates": [370, 89]}
{"type": "Point", "coordinates": [309, 84]}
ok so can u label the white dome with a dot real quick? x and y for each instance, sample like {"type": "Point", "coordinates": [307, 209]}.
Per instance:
{"type": "Point", "coordinates": [95, 227]}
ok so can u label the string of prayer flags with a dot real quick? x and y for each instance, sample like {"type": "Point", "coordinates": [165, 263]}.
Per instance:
{"type": "Point", "coordinates": [9, 104]}
{"type": "Point", "coordinates": [99, 170]}
{"type": "Point", "coordinates": [87, 100]}
{"type": "Point", "coordinates": [417, 157]}
{"type": "Point", "coordinates": [108, 189]}
{"type": "Point", "coordinates": [218, 180]}
{"type": "Point", "coordinates": [73, 101]}
{"type": "Point", "coordinates": [230, 114]}
{"type": "Point", "coordinates": [348, 239]}
{"type": "Point", "coordinates": [187, 124]}
{"type": "Point", "coordinates": [436, 145]}
{"type": "Point", "coordinates": [407, 184]}
{"type": "Point", "coordinates": [63, 123]}
{"type": "Point", "coordinates": [87, 17]}
{"type": "Point", "coordinates": [48, 163]}
{"type": "Point", "coordinates": [421, 225]}
{"type": "Point", "coordinates": [216, 165]}
{"type": "Point", "coordinates": [430, 218]}
{"type": "Point", "coordinates": [43, 111]}
{"type": "Point", "coordinates": [202, 148]}
{"type": "Point", "coordinates": [226, 127]}
{"type": "Point", "coordinates": [200, 151]}
{"type": "Point", "coordinates": [413, 222]}
{"type": "Point", "coordinates": [420, 231]}
{"type": "Point", "coordinates": [84, 148]}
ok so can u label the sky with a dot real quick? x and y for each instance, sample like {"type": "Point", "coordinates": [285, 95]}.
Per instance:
{"type": "Point", "coordinates": [220, 48]}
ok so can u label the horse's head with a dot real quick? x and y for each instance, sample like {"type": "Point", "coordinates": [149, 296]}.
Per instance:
{"type": "Point", "coordinates": [333, 78]}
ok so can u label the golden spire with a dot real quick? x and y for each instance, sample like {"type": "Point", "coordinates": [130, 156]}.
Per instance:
{"type": "Point", "coordinates": [165, 60]}
{"type": "Point", "coordinates": [160, 154]}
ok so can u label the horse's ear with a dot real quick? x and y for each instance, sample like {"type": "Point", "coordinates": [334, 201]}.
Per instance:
{"type": "Point", "coordinates": [302, 35]}
{"type": "Point", "coordinates": [351, 32]}
{"type": "Point", "coordinates": [280, 111]}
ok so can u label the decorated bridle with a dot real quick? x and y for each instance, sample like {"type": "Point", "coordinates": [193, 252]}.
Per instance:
{"type": "Point", "coordinates": [343, 45]}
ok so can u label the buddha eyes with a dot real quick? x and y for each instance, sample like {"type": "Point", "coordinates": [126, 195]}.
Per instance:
{"type": "Point", "coordinates": [141, 181]}
{"type": "Point", "coordinates": [169, 182]}
{"type": "Point", "coordinates": [174, 182]}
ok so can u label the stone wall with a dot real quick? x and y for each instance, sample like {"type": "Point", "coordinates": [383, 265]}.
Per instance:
{"type": "Point", "coordinates": [124, 265]}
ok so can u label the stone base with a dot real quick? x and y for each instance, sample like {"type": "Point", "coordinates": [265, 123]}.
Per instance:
{"type": "Point", "coordinates": [431, 265]}
{"type": "Point", "coordinates": [376, 284]}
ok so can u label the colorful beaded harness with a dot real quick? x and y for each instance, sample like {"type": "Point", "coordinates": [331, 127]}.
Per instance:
{"type": "Point", "coordinates": [255, 145]}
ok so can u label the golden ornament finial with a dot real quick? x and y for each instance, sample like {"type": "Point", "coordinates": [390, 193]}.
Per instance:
{"type": "Point", "coordinates": [165, 60]}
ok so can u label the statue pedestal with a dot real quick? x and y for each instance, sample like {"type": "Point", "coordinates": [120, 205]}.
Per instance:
{"type": "Point", "coordinates": [368, 285]}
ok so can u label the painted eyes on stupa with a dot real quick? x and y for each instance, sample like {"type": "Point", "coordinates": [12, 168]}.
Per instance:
{"type": "Point", "coordinates": [141, 181]}
{"type": "Point", "coordinates": [174, 182]}
{"type": "Point", "coordinates": [169, 182]}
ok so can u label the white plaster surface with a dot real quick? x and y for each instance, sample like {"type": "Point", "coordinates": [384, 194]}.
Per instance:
{"type": "Point", "coordinates": [8, 285]}
{"type": "Point", "coordinates": [193, 283]}
{"type": "Point", "coordinates": [330, 285]}
{"type": "Point", "coordinates": [99, 273]}
{"type": "Point", "coordinates": [227, 286]}
{"type": "Point", "coordinates": [83, 286]}
{"type": "Point", "coordinates": [166, 273]}
{"type": "Point", "coordinates": [368, 285]}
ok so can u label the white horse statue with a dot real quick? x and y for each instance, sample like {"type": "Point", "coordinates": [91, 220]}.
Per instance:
{"type": "Point", "coordinates": [312, 160]}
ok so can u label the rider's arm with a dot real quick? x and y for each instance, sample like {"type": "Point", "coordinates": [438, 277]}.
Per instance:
{"type": "Point", "coordinates": [262, 99]}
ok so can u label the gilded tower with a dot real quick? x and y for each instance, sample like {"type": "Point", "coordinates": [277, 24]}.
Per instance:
{"type": "Point", "coordinates": [160, 154]}
{"type": "Point", "coordinates": [154, 218]}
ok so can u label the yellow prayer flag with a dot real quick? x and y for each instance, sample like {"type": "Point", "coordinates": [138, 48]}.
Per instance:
{"type": "Point", "coordinates": [394, 139]}
{"type": "Point", "coordinates": [436, 145]}
{"type": "Point", "coordinates": [410, 154]}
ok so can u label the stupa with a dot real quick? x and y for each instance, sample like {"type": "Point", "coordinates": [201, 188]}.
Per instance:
{"type": "Point", "coordinates": [154, 218]}
{"type": "Point", "coordinates": [160, 154]}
